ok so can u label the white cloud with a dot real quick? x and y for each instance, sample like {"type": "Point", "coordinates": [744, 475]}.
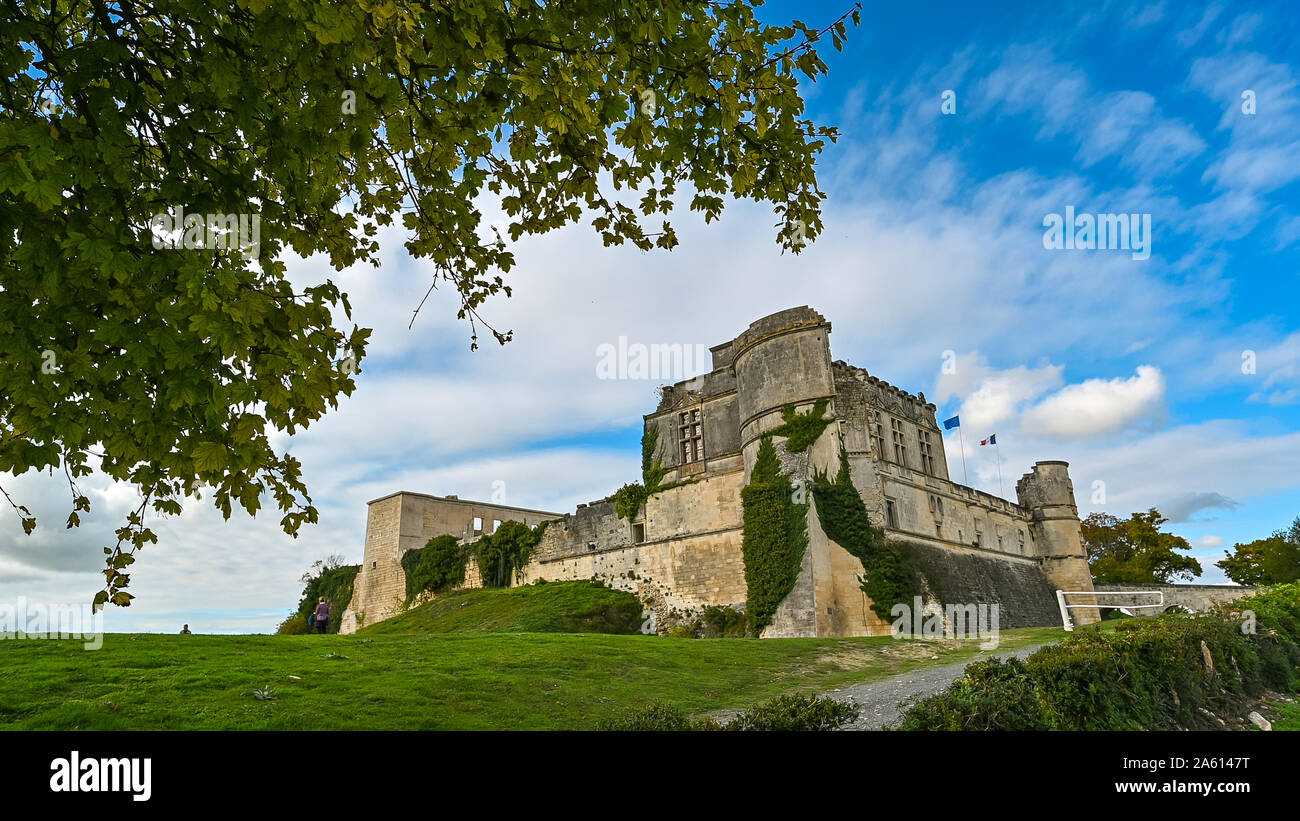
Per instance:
{"type": "Point", "coordinates": [1099, 406]}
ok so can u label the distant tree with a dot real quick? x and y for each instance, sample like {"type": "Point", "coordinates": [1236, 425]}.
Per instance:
{"type": "Point", "coordinates": [1275, 560]}
{"type": "Point", "coordinates": [1135, 551]}
{"type": "Point", "coordinates": [171, 356]}
{"type": "Point", "coordinates": [330, 578]}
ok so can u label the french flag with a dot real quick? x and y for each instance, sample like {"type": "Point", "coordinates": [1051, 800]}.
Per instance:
{"type": "Point", "coordinates": [992, 440]}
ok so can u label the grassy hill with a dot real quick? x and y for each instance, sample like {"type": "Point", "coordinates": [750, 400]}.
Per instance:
{"type": "Point", "coordinates": [449, 680]}
{"type": "Point", "coordinates": [554, 607]}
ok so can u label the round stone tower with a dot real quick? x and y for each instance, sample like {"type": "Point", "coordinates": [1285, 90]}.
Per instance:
{"type": "Point", "coordinates": [1058, 537]}
{"type": "Point", "coordinates": [781, 359]}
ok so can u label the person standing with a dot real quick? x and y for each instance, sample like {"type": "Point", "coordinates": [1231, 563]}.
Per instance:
{"type": "Point", "coordinates": [322, 615]}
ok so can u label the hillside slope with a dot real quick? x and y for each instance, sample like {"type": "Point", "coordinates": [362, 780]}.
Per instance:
{"type": "Point", "coordinates": [553, 607]}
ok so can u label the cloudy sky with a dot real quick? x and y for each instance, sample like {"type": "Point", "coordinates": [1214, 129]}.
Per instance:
{"type": "Point", "coordinates": [1138, 372]}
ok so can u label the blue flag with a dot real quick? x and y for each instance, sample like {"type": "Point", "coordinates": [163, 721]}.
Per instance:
{"type": "Point", "coordinates": [949, 424]}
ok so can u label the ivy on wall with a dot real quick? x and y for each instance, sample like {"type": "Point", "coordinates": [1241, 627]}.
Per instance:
{"type": "Point", "coordinates": [775, 537]}
{"type": "Point", "coordinates": [502, 555]}
{"type": "Point", "coordinates": [889, 579]}
{"type": "Point", "coordinates": [437, 566]}
{"type": "Point", "coordinates": [629, 498]}
{"type": "Point", "coordinates": [802, 429]}
{"type": "Point", "coordinates": [440, 565]}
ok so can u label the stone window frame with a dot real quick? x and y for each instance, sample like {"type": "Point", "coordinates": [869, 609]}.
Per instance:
{"type": "Point", "coordinates": [900, 440]}
{"type": "Point", "coordinates": [891, 513]}
{"type": "Point", "coordinates": [877, 434]}
{"type": "Point", "coordinates": [638, 529]}
{"type": "Point", "coordinates": [690, 435]}
{"type": "Point", "coordinates": [926, 448]}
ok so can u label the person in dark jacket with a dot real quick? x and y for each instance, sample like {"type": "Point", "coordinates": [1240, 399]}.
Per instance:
{"type": "Point", "coordinates": [322, 615]}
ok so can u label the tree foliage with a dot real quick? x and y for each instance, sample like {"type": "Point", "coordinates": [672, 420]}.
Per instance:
{"type": "Point", "coordinates": [173, 368]}
{"type": "Point", "coordinates": [1275, 560]}
{"type": "Point", "coordinates": [437, 566]}
{"type": "Point", "coordinates": [1135, 551]}
{"type": "Point", "coordinates": [502, 554]}
{"type": "Point", "coordinates": [332, 579]}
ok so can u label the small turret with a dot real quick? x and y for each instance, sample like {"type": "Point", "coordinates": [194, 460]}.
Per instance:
{"type": "Point", "coordinates": [1048, 493]}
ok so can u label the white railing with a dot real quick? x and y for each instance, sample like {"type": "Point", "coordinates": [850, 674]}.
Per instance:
{"type": "Point", "coordinates": [1068, 622]}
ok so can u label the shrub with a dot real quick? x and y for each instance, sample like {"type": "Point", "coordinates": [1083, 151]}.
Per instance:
{"type": "Point", "coordinates": [294, 625]}
{"type": "Point", "coordinates": [651, 717]}
{"type": "Point", "coordinates": [1148, 674]}
{"type": "Point", "coordinates": [333, 580]}
{"type": "Point", "coordinates": [503, 554]}
{"type": "Point", "coordinates": [434, 568]}
{"type": "Point", "coordinates": [784, 713]}
{"type": "Point", "coordinates": [796, 712]}
{"type": "Point", "coordinates": [723, 622]}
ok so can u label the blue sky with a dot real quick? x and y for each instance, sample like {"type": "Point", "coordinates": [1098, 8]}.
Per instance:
{"type": "Point", "coordinates": [1131, 370]}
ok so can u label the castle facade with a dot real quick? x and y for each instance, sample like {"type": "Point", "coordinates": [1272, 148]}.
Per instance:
{"type": "Point", "coordinates": [681, 551]}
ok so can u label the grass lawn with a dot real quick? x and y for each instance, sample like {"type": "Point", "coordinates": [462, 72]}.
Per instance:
{"type": "Point", "coordinates": [1288, 717]}
{"type": "Point", "coordinates": [555, 607]}
{"type": "Point", "coordinates": [429, 681]}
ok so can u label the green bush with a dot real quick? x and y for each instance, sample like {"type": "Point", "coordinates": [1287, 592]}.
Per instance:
{"type": "Point", "coordinates": [502, 555]}
{"type": "Point", "coordinates": [651, 718]}
{"type": "Point", "coordinates": [332, 580]}
{"type": "Point", "coordinates": [1147, 674]}
{"type": "Point", "coordinates": [434, 568]}
{"type": "Point", "coordinates": [781, 714]}
{"type": "Point", "coordinates": [295, 625]}
{"type": "Point", "coordinates": [723, 622]}
{"type": "Point", "coordinates": [629, 498]}
{"type": "Point", "coordinates": [795, 712]}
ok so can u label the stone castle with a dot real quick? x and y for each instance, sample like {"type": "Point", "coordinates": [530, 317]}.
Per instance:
{"type": "Point", "coordinates": [681, 551]}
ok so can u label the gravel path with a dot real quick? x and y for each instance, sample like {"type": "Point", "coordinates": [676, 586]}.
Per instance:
{"type": "Point", "coordinates": [879, 699]}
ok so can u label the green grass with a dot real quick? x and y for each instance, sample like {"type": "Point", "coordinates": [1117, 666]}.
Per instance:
{"type": "Point", "coordinates": [555, 607]}
{"type": "Point", "coordinates": [1288, 717]}
{"type": "Point", "coordinates": [432, 681]}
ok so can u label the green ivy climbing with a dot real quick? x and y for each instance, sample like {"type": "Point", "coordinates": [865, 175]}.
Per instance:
{"type": "Point", "coordinates": [502, 555]}
{"type": "Point", "coordinates": [802, 429]}
{"type": "Point", "coordinates": [437, 566]}
{"type": "Point", "coordinates": [889, 579]}
{"type": "Point", "coordinates": [629, 498]}
{"type": "Point", "coordinates": [775, 537]}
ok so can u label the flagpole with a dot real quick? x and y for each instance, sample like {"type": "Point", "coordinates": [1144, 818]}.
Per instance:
{"type": "Point", "coordinates": [965, 476]}
{"type": "Point", "coordinates": [997, 448]}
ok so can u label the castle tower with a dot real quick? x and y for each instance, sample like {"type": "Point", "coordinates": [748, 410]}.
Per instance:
{"type": "Point", "coordinates": [785, 359]}
{"type": "Point", "coordinates": [1058, 537]}
{"type": "Point", "coordinates": [781, 359]}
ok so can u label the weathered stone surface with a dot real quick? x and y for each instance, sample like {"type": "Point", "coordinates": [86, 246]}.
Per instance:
{"type": "Point", "coordinates": [682, 551]}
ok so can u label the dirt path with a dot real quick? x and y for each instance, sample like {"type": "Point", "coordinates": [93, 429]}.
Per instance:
{"type": "Point", "coordinates": [879, 699]}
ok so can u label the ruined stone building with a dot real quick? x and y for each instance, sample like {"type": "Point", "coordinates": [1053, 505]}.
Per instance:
{"type": "Point", "coordinates": [682, 550]}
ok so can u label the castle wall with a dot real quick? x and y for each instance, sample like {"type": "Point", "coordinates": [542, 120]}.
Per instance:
{"type": "Point", "coordinates": [405, 521]}
{"type": "Point", "coordinates": [682, 550]}
{"type": "Point", "coordinates": [690, 557]}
